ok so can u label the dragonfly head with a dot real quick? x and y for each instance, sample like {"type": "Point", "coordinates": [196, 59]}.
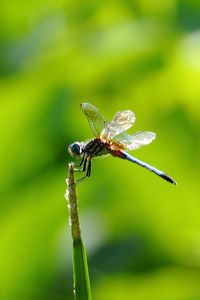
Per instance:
{"type": "Point", "coordinates": [75, 149]}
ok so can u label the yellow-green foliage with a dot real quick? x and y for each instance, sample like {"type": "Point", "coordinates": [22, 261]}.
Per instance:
{"type": "Point", "coordinates": [141, 233]}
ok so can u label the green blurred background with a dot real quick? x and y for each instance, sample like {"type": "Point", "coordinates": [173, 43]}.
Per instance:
{"type": "Point", "coordinates": [142, 234]}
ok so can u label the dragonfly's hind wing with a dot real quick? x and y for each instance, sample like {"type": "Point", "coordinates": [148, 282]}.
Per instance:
{"type": "Point", "coordinates": [121, 122]}
{"type": "Point", "coordinates": [94, 117]}
{"type": "Point", "coordinates": [135, 141]}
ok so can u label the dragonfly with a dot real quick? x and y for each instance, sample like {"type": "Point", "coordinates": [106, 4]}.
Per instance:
{"type": "Point", "coordinates": [111, 137]}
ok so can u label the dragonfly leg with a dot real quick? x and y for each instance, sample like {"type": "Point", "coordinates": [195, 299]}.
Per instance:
{"type": "Point", "coordinates": [81, 167]}
{"type": "Point", "coordinates": [87, 166]}
{"type": "Point", "coordinates": [89, 169]}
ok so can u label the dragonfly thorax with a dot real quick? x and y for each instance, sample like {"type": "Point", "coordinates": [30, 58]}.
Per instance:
{"type": "Point", "coordinates": [75, 149]}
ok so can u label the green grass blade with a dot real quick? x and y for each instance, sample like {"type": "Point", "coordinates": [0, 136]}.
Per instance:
{"type": "Point", "coordinates": [81, 274]}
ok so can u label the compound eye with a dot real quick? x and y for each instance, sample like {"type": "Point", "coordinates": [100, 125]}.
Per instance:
{"type": "Point", "coordinates": [74, 149]}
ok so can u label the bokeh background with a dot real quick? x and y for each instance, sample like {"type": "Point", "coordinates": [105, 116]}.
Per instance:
{"type": "Point", "coordinates": [142, 234]}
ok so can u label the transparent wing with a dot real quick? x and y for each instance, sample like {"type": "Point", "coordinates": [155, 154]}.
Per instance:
{"type": "Point", "coordinates": [136, 140]}
{"type": "Point", "coordinates": [121, 122]}
{"type": "Point", "coordinates": [94, 117]}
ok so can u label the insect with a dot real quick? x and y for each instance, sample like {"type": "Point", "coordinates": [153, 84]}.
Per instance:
{"type": "Point", "coordinates": [111, 138]}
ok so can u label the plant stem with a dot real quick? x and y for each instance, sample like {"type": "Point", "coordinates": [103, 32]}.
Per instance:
{"type": "Point", "coordinates": [80, 267]}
